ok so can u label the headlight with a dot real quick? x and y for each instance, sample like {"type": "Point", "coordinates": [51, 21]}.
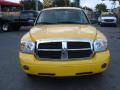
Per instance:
{"type": "Point", "coordinates": [27, 47]}
{"type": "Point", "coordinates": [31, 21]}
{"type": "Point", "coordinates": [115, 20]}
{"type": "Point", "coordinates": [100, 45]}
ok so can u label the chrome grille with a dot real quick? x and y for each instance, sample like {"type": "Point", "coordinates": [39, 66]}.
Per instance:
{"type": "Point", "coordinates": [50, 54]}
{"type": "Point", "coordinates": [64, 49]}
{"type": "Point", "coordinates": [78, 45]}
{"type": "Point", "coordinates": [79, 53]}
{"type": "Point", "coordinates": [109, 20]}
{"type": "Point", "coordinates": [50, 45]}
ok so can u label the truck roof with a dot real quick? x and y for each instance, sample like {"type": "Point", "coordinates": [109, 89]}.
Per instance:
{"type": "Point", "coordinates": [8, 3]}
{"type": "Point", "coordinates": [62, 8]}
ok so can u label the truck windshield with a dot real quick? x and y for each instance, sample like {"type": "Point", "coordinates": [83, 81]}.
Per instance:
{"type": "Point", "coordinates": [27, 14]}
{"type": "Point", "coordinates": [62, 16]}
{"type": "Point", "coordinates": [108, 15]}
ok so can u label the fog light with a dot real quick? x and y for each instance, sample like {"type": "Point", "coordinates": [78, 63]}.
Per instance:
{"type": "Point", "coordinates": [104, 65]}
{"type": "Point", "coordinates": [26, 67]}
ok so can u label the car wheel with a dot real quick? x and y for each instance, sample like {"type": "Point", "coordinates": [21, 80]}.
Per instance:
{"type": "Point", "coordinates": [98, 74]}
{"type": "Point", "coordinates": [115, 25]}
{"type": "Point", "coordinates": [5, 27]}
{"type": "Point", "coordinates": [101, 25]}
{"type": "Point", "coordinates": [30, 75]}
{"type": "Point", "coordinates": [98, 23]}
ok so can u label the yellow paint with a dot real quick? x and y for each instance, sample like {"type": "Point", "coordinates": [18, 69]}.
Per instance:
{"type": "Point", "coordinates": [64, 68]}
{"type": "Point", "coordinates": [62, 31]}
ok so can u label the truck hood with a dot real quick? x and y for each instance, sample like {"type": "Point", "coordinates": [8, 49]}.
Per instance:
{"type": "Point", "coordinates": [108, 18]}
{"type": "Point", "coordinates": [62, 31]}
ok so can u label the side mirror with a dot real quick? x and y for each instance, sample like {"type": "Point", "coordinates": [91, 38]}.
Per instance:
{"type": "Point", "coordinates": [31, 20]}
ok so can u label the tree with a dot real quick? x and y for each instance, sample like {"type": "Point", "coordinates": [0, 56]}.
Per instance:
{"type": "Point", "coordinates": [61, 3]}
{"type": "Point", "coordinates": [73, 4]}
{"type": "Point", "coordinates": [119, 1]}
{"type": "Point", "coordinates": [30, 4]}
{"type": "Point", "coordinates": [77, 3]}
{"type": "Point", "coordinates": [101, 7]}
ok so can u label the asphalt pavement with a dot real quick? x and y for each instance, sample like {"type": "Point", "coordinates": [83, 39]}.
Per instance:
{"type": "Point", "coordinates": [13, 78]}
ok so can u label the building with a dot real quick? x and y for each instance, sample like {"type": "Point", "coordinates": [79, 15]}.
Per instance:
{"type": "Point", "coordinates": [117, 12]}
{"type": "Point", "coordinates": [8, 8]}
{"type": "Point", "coordinates": [89, 12]}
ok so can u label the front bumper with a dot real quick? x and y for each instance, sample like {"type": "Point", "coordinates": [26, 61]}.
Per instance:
{"type": "Point", "coordinates": [108, 22]}
{"type": "Point", "coordinates": [64, 68]}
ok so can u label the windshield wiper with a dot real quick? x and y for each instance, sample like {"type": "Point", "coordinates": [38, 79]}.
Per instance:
{"type": "Point", "coordinates": [69, 22]}
{"type": "Point", "coordinates": [64, 22]}
{"type": "Point", "coordinates": [45, 23]}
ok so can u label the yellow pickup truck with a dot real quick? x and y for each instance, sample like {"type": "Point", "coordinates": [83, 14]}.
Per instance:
{"type": "Point", "coordinates": [63, 43]}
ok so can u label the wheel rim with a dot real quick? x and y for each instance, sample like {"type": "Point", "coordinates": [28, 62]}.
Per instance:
{"type": "Point", "coordinates": [5, 27]}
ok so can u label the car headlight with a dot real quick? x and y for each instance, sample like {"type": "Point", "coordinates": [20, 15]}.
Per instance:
{"type": "Point", "coordinates": [115, 20]}
{"type": "Point", "coordinates": [27, 47]}
{"type": "Point", "coordinates": [100, 45]}
{"type": "Point", "coordinates": [31, 21]}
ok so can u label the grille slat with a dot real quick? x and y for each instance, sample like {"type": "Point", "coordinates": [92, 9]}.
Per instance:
{"type": "Point", "coordinates": [49, 49]}
{"type": "Point", "coordinates": [49, 54]}
{"type": "Point", "coordinates": [78, 45]}
{"type": "Point", "coordinates": [79, 49]}
{"type": "Point", "coordinates": [64, 50]}
{"type": "Point", "coordinates": [50, 45]}
{"type": "Point", "coordinates": [109, 20]}
{"type": "Point", "coordinates": [79, 53]}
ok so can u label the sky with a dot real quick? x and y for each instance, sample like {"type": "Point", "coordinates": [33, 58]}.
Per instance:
{"type": "Point", "coordinates": [88, 3]}
{"type": "Point", "coordinates": [93, 3]}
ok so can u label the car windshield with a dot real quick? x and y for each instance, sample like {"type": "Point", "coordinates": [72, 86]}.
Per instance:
{"type": "Point", "coordinates": [62, 16]}
{"type": "Point", "coordinates": [28, 14]}
{"type": "Point", "coordinates": [108, 15]}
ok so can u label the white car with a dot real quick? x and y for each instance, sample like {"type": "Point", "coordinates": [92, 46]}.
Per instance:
{"type": "Point", "coordinates": [107, 19]}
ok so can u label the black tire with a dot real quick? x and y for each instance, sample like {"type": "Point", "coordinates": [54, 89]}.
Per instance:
{"type": "Point", "coordinates": [115, 25]}
{"type": "Point", "coordinates": [6, 27]}
{"type": "Point", "coordinates": [30, 75]}
{"type": "Point", "coordinates": [101, 25]}
{"type": "Point", "coordinates": [98, 23]}
{"type": "Point", "coordinates": [100, 73]}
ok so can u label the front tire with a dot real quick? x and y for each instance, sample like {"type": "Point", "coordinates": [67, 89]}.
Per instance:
{"type": "Point", "coordinates": [6, 27]}
{"type": "Point", "coordinates": [101, 24]}
{"type": "Point", "coordinates": [98, 23]}
{"type": "Point", "coordinates": [30, 75]}
{"type": "Point", "coordinates": [115, 25]}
